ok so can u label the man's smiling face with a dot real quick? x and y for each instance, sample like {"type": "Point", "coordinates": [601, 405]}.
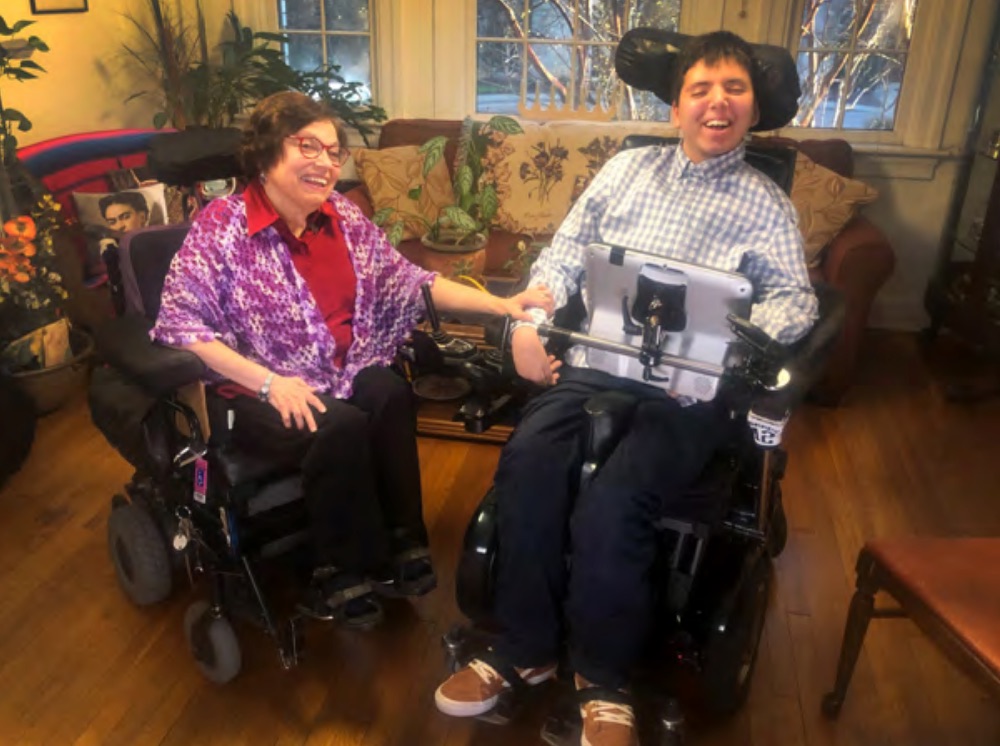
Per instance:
{"type": "Point", "coordinates": [715, 109]}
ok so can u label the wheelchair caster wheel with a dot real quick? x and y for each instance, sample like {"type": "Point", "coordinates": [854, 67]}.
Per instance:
{"type": "Point", "coordinates": [831, 705]}
{"type": "Point", "coordinates": [212, 642]}
{"type": "Point", "coordinates": [139, 553]}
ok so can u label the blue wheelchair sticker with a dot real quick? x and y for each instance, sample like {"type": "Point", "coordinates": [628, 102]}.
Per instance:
{"type": "Point", "coordinates": [200, 480]}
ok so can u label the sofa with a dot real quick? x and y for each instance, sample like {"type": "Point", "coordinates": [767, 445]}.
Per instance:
{"type": "Point", "coordinates": [857, 259]}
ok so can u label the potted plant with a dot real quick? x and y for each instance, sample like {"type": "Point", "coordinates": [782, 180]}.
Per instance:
{"type": "Point", "coordinates": [37, 347]}
{"type": "Point", "coordinates": [460, 232]}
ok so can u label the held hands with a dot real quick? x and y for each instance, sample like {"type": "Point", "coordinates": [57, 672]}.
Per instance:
{"type": "Point", "coordinates": [295, 401]}
{"type": "Point", "coordinates": [531, 360]}
{"type": "Point", "coordinates": [517, 306]}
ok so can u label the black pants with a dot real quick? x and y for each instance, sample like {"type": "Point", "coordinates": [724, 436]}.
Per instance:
{"type": "Point", "coordinates": [361, 475]}
{"type": "Point", "coordinates": [606, 530]}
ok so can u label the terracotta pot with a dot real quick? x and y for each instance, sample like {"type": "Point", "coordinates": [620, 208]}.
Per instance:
{"type": "Point", "coordinates": [50, 388]}
{"type": "Point", "coordinates": [453, 261]}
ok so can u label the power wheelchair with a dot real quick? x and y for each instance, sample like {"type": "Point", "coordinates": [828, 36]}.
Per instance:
{"type": "Point", "coordinates": [712, 576]}
{"type": "Point", "coordinates": [195, 505]}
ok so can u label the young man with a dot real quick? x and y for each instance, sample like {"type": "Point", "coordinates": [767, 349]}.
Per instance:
{"type": "Point", "coordinates": [698, 202]}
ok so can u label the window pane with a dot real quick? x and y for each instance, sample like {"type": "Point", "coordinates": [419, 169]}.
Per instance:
{"type": "Point", "coordinates": [346, 15]}
{"type": "Point", "coordinates": [643, 105]}
{"type": "Point", "coordinates": [499, 19]}
{"type": "Point", "coordinates": [498, 85]}
{"type": "Point", "coordinates": [550, 20]}
{"type": "Point", "coordinates": [889, 25]}
{"type": "Point", "coordinates": [596, 81]}
{"type": "Point", "coordinates": [298, 14]}
{"type": "Point", "coordinates": [822, 77]}
{"type": "Point", "coordinates": [874, 92]}
{"type": "Point", "coordinates": [663, 14]}
{"type": "Point", "coordinates": [304, 51]}
{"type": "Point", "coordinates": [548, 73]}
{"type": "Point", "coordinates": [827, 23]}
{"type": "Point", "coordinates": [351, 53]}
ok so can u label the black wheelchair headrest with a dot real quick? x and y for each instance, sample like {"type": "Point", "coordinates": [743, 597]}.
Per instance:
{"type": "Point", "coordinates": [646, 59]}
{"type": "Point", "coordinates": [144, 259]}
{"type": "Point", "coordinates": [775, 161]}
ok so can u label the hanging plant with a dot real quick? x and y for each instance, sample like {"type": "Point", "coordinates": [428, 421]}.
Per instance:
{"type": "Point", "coordinates": [16, 64]}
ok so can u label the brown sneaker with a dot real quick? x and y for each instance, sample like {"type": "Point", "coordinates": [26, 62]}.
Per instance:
{"type": "Point", "coordinates": [475, 689]}
{"type": "Point", "coordinates": [608, 719]}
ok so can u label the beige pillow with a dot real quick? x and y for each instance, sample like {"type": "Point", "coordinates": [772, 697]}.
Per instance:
{"type": "Point", "coordinates": [826, 202]}
{"type": "Point", "coordinates": [392, 177]}
{"type": "Point", "coordinates": [541, 172]}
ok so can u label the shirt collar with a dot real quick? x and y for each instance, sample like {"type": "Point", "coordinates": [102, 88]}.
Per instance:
{"type": "Point", "coordinates": [261, 213]}
{"type": "Point", "coordinates": [711, 168]}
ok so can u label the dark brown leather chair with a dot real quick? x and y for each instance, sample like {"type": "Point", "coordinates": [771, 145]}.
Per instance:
{"type": "Point", "coordinates": [949, 587]}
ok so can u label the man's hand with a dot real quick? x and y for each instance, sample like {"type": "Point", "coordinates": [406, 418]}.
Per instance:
{"type": "Point", "coordinates": [538, 296]}
{"type": "Point", "coordinates": [531, 360]}
{"type": "Point", "coordinates": [293, 397]}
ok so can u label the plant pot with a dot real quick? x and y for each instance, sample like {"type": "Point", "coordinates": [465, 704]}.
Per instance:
{"type": "Point", "coordinates": [50, 388]}
{"type": "Point", "coordinates": [452, 260]}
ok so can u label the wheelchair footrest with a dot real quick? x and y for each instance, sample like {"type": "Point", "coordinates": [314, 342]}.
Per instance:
{"type": "Point", "coordinates": [564, 725]}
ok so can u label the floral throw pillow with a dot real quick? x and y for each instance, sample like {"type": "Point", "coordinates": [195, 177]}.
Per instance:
{"type": "Point", "coordinates": [541, 171]}
{"type": "Point", "coordinates": [825, 202]}
{"type": "Point", "coordinates": [395, 181]}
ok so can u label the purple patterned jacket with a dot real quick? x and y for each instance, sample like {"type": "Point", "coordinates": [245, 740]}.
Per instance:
{"type": "Point", "coordinates": [244, 291]}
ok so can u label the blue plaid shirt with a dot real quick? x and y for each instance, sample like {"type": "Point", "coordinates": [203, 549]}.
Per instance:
{"type": "Point", "coordinates": [720, 213]}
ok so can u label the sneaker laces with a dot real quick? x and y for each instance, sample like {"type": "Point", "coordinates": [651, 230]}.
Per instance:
{"type": "Point", "coordinates": [485, 671]}
{"type": "Point", "coordinates": [612, 712]}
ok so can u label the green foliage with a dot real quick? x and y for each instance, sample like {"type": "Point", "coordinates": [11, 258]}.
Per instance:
{"type": "Point", "coordinates": [193, 87]}
{"type": "Point", "coordinates": [474, 207]}
{"type": "Point", "coordinates": [15, 64]}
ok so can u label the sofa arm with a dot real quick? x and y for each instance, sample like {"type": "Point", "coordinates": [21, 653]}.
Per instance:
{"type": "Point", "coordinates": [857, 263]}
{"type": "Point", "coordinates": [359, 196]}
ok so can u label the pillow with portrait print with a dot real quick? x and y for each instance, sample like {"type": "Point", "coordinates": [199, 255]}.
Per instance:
{"type": "Point", "coordinates": [395, 181]}
{"type": "Point", "coordinates": [825, 202]}
{"type": "Point", "coordinates": [105, 216]}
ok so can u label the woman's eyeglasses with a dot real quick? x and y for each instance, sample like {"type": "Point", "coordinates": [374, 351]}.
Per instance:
{"type": "Point", "coordinates": [311, 147]}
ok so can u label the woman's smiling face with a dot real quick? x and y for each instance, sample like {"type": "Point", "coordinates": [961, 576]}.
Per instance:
{"type": "Point", "coordinates": [715, 108]}
{"type": "Point", "coordinates": [302, 182]}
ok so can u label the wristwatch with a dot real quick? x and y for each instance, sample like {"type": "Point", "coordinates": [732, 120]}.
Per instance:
{"type": "Point", "coordinates": [265, 389]}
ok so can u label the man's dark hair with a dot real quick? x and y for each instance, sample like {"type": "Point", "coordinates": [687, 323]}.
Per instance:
{"type": "Point", "coordinates": [711, 49]}
{"type": "Point", "coordinates": [275, 118]}
{"type": "Point", "coordinates": [130, 199]}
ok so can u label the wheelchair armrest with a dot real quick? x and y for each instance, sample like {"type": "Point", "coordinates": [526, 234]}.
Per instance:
{"type": "Point", "coordinates": [610, 414]}
{"type": "Point", "coordinates": [124, 343]}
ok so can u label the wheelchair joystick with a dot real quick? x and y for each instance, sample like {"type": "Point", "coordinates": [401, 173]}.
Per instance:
{"type": "Point", "coordinates": [452, 348]}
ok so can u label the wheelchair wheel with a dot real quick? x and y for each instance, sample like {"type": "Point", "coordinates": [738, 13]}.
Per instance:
{"type": "Point", "coordinates": [139, 553]}
{"type": "Point", "coordinates": [731, 651]}
{"type": "Point", "coordinates": [213, 643]}
{"type": "Point", "coordinates": [777, 535]}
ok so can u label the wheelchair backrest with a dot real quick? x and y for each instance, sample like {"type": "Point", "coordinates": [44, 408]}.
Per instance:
{"type": "Point", "coordinates": [144, 259]}
{"type": "Point", "coordinates": [777, 162]}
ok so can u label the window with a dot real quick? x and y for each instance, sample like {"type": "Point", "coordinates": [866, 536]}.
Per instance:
{"type": "Point", "coordinates": [329, 32]}
{"type": "Point", "coordinates": [851, 58]}
{"type": "Point", "coordinates": [562, 53]}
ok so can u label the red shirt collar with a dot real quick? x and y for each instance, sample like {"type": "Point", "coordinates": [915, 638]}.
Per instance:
{"type": "Point", "coordinates": [261, 213]}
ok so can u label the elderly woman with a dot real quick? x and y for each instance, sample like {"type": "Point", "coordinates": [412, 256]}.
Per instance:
{"type": "Point", "coordinates": [290, 292]}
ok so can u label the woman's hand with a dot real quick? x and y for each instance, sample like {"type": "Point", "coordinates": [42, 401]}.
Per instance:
{"type": "Point", "coordinates": [295, 401]}
{"type": "Point", "coordinates": [538, 296]}
{"type": "Point", "coordinates": [531, 360]}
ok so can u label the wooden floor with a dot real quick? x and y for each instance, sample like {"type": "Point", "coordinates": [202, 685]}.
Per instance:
{"type": "Point", "coordinates": [79, 664]}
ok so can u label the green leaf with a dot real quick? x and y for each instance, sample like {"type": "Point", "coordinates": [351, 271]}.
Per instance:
{"type": "Point", "coordinates": [414, 193]}
{"type": "Point", "coordinates": [35, 43]}
{"type": "Point", "coordinates": [18, 25]}
{"type": "Point", "coordinates": [489, 203]}
{"type": "Point", "coordinates": [463, 181]}
{"type": "Point", "coordinates": [507, 125]}
{"type": "Point", "coordinates": [433, 151]}
{"type": "Point", "coordinates": [268, 36]}
{"type": "Point", "coordinates": [160, 119]}
{"type": "Point", "coordinates": [18, 74]}
{"type": "Point", "coordinates": [5, 30]}
{"type": "Point", "coordinates": [32, 65]}
{"type": "Point", "coordinates": [395, 233]}
{"type": "Point", "coordinates": [381, 216]}
{"type": "Point", "coordinates": [458, 218]}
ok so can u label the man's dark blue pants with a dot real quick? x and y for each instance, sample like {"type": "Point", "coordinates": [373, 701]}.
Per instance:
{"type": "Point", "coordinates": [606, 531]}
